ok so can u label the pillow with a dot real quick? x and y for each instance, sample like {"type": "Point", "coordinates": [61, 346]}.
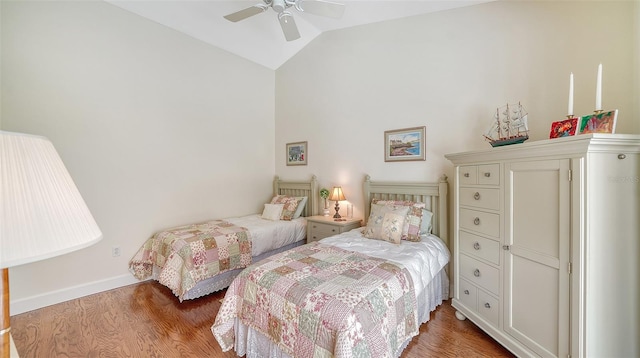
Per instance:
{"type": "Point", "coordinates": [301, 204]}
{"type": "Point", "coordinates": [411, 229]}
{"type": "Point", "coordinates": [386, 222]}
{"type": "Point", "coordinates": [290, 205]}
{"type": "Point", "coordinates": [425, 226]}
{"type": "Point", "coordinates": [272, 211]}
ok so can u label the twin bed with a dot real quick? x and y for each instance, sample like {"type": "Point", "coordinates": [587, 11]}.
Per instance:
{"type": "Point", "coordinates": [354, 294]}
{"type": "Point", "coordinates": [195, 260]}
{"type": "Point", "coordinates": [364, 292]}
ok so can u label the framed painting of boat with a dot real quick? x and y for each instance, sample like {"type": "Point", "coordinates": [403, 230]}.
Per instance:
{"type": "Point", "coordinates": [404, 144]}
{"type": "Point", "coordinates": [603, 122]}
{"type": "Point", "coordinates": [565, 128]}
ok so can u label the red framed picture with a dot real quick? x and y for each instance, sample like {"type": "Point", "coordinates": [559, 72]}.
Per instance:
{"type": "Point", "coordinates": [564, 128]}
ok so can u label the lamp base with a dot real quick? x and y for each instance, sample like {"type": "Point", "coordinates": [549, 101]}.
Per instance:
{"type": "Point", "coordinates": [337, 215]}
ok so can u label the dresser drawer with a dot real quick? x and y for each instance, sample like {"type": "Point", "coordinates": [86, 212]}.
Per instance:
{"type": "Point", "coordinates": [489, 307]}
{"type": "Point", "coordinates": [319, 231]}
{"type": "Point", "coordinates": [481, 247]}
{"type": "Point", "coordinates": [480, 274]}
{"type": "Point", "coordinates": [480, 197]}
{"type": "Point", "coordinates": [489, 174]}
{"type": "Point", "coordinates": [480, 221]}
{"type": "Point", "coordinates": [468, 174]}
{"type": "Point", "coordinates": [468, 294]}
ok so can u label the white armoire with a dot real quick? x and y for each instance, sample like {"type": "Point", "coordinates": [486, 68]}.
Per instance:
{"type": "Point", "coordinates": [547, 245]}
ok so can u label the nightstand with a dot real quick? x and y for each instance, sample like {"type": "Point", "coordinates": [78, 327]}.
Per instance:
{"type": "Point", "coordinates": [319, 227]}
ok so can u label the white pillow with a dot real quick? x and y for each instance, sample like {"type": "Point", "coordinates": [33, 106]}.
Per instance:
{"type": "Point", "coordinates": [272, 211]}
{"type": "Point", "coordinates": [300, 207]}
{"type": "Point", "coordinates": [425, 225]}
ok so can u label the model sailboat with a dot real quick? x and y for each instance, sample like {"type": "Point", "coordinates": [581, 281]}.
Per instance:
{"type": "Point", "coordinates": [509, 126]}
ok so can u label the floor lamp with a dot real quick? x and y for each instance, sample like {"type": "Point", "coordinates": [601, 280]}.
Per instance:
{"type": "Point", "coordinates": [41, 211]}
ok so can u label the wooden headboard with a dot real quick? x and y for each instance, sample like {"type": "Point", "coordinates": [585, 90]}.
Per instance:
{"type": "Point", "coordinates": [434, 195]}
{"type": "Point", "coordinates": [299, 188]}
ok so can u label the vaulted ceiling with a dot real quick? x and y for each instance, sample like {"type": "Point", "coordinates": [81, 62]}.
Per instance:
{"type": "Point", "coordinates": [260, 38]}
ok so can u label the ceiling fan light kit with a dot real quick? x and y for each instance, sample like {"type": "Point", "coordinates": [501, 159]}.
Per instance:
{"type": "Point", "coordinates": [287, 22]}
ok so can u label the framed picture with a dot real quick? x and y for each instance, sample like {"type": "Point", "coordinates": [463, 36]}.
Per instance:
{"type": "Point", "coordinates": [604, 122]}
{"type": "Point", "coordinates": [297, 153]}
{"type": "Point", "coordinates": [565, 128]}
{"type": "Point", "coordinates": [404, 144]}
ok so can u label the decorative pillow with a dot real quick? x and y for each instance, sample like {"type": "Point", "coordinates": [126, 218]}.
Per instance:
{"type": "Point", "coordinates": [386, 222]}
{"type": "Point", "coordinates": [425, 226]}
{"type": "Point", "coordinates": [301, 205]}
{"type": "Point", "coordinates": [272, 211]}
{"type": "Point", "coordinates": [411, 229]}
{"type": "Point", "coordinates": [290, 205]}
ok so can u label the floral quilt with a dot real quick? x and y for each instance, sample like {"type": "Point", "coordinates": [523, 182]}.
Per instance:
{"type": "Point", "coordinates": [188, 254]}
{"type": "Point", "coordinates": [318, 300]}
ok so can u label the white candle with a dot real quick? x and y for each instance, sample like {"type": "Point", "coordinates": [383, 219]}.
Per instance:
{"type": "Point", "coordinates": [599, 89]}
{"type": "Point", "coordinates": [570, 110]}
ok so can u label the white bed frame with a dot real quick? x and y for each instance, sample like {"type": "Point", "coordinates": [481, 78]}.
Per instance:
{"type": "Point", "coordinates": [434, 195]}
{"type": "Point", "coordinates": [280, 187]}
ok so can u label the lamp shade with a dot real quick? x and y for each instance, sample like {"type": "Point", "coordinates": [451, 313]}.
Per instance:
{"type": "Point", "coordinates": [336, 194]}
{"type": "Point", "coordinates": [42, 213]}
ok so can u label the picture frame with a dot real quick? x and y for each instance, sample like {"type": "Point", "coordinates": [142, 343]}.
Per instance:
{"type": "Point", "coordinates": [405, 144]}
{"type": "Point", "coordinates": [564, 128]}
{"type": "Point", "coordinates": [603, 122]}
{"type": "Point", "coordinates": [297, 153]}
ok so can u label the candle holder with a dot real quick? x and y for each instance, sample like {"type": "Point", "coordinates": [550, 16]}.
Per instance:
{"type": "Point", "coordinates": [597, 111]}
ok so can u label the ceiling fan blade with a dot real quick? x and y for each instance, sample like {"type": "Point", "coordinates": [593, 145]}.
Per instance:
{"type": "Point", "coordinates": [248, 12]}
{"type": "Point", "coordinates": [321, 7]}
{"type": "Point", "coordinates": [288, 25]}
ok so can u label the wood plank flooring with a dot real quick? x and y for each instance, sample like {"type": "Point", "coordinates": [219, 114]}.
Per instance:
{"type": "Point", "coordinates": [146, 320]}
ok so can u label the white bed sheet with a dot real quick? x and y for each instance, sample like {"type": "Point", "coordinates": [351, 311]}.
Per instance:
{"type": "Point", "coordinates": [425, 261]}
{"type": "Point", "coordinates": [267, 235]}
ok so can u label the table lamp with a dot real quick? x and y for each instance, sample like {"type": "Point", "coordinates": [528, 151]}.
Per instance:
{"type": "Point", "coordinates": [337, 195]}
{"type": "Point", "coordinates": [41, 211]}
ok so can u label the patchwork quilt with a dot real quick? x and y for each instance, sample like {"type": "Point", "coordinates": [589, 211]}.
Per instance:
{"type": "Point", "coordinates": [318, 300]}
{"type": "Point", "coordinates": [188, 254]}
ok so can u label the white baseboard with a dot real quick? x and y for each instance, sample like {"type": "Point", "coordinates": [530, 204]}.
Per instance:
{"type": "Point", "coordinates": [51, 298]}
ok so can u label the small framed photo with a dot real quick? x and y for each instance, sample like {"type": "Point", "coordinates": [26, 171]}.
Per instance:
{"type": "Point", "coordinates": [565, 128]}
{"type": "Point", "coordinates": [603, 122]}
{"type": "Point", "coordinates": [297, 153]}
{"type": "Point", "coordinates": [404, 144]}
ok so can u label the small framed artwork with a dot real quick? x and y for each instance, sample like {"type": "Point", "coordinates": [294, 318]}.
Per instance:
{"type": "Point", "coordinates": [297, 153]}
{"type": "Point", "coordinates": [404, 144]}
{"type": "Point", "coordinates": [565, 128]}
{"type": "Point", "coordinates": [603, 122]}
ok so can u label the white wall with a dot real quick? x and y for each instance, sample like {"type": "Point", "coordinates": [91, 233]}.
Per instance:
{"type": "Point", "coordinates": [449, 71]}
{"type": "Point", "coordinates": [156, 128]}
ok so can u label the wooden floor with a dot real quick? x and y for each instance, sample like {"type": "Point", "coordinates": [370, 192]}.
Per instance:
{"type": "Point", "coordinates": [146, 320]}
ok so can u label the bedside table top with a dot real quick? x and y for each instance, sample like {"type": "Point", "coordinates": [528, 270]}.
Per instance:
{"type": "Point", "coordinates": [330, 220]}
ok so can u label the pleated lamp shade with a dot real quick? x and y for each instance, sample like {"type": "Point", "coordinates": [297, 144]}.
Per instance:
{"type": "Point", "coordinates": [42, 213]}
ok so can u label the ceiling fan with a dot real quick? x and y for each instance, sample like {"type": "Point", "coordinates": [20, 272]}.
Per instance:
{"type": "Point", "coordinates": [288, 24]}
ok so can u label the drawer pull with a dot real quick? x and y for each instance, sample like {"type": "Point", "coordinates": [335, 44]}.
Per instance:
{"type": "Point", "coordinates": [314, 226]}
{"type": "Point", "coordinates": [476, 273]}
{"type": "Point", "coordinates": [487, 174]}
{"type": "Point", "coordinates": [466, 175]}
{"type": "Point", "coordinates": [476, 196]}
{"type": "Point", "coordinates": [476, 221]}
{"type": "Point", "coordinates": [476, 245]}
{"type": "Point", "coordinates": [487, 305]}
{"type": "Point", "coordinates": [333, 230]}
{"type": "Point", "coordinates": [466, 292]}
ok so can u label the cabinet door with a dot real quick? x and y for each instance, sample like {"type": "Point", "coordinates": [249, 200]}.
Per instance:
{"type": "Point", "coordinates": [536, 307]}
